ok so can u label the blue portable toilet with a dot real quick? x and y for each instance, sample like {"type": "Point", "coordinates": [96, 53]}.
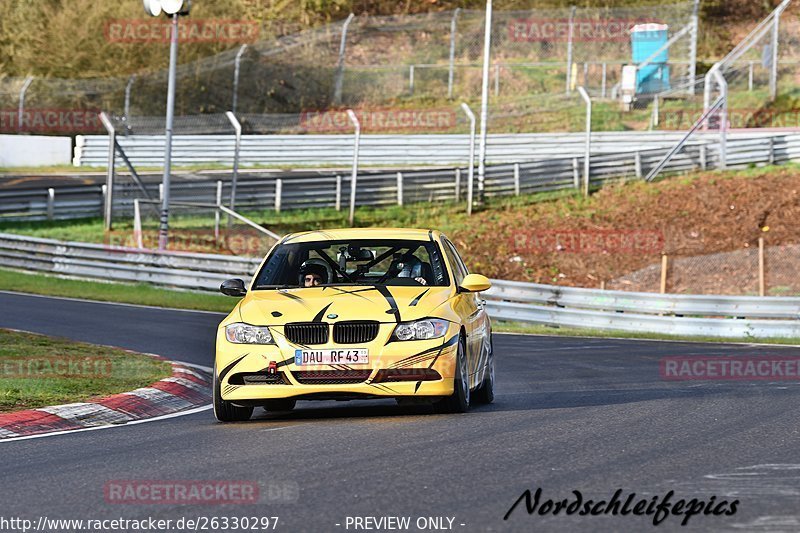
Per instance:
{"type": "Point", "coordinates": [646, 39]}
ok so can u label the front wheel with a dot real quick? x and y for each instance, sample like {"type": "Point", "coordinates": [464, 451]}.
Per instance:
{"type": "Point", "coordinates": [485, 393]}
{"type": "Point", "coordinates": [226, 411]}
{"type": "Point", "coordinates": [458, 402]}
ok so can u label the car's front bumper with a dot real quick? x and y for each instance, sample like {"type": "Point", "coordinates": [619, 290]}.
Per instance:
{"type": "Point", "coordinates": [237, 365]}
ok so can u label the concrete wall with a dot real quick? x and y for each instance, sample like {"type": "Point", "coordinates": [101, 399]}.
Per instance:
{"type": "Point", "coordinates": [34, 150]}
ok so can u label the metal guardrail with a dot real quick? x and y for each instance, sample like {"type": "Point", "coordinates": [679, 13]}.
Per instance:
{"type": "Point", "coordinates": [449, 184]}
{"type": "Point", "coordinates": [691, 315]}
{"type": "Point", "coordinates": [375, 150]}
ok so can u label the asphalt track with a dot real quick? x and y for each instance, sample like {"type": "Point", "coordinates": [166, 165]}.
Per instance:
{"type": "Point", "coordinates": [570, 414]}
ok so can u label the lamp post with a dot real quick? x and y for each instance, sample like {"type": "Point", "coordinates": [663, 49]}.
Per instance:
{"type": "Point", "coordinates": [174, 9]}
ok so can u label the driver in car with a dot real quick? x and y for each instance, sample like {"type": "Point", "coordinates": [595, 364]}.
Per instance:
{"type": "Point", "coordinates": [412, 268]}
{"type": "Point", "coordinates": [313, 274]}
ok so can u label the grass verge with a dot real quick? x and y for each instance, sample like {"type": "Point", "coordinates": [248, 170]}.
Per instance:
{"type": "Point", "coordinates": [38, 371]}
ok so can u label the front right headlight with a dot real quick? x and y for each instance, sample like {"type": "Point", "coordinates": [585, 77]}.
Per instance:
{"type": "Point", "coordinates": [240, 333]}
{"type": "Point", "coordinates": [429, 328]}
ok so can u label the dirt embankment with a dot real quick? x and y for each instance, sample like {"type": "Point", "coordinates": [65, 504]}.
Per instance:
{"type": "Point", "coordinates": [624, 229]}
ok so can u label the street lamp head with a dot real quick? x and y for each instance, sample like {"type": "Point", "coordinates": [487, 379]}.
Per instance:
{"type": "Point", "coordinates": [170, 7]}
{"type": "Point", "coordinates": [152, 7]}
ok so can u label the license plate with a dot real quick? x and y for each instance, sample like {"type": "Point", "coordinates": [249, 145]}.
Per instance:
{"type": "Point", "coordinates": [347, 356]}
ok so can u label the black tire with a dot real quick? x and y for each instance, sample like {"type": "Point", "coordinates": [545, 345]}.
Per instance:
{"type": "Point", "coordinates": [226, 411]}
{"type": "Point", "coordinates": [458, 402]}
{"type": "Point", "coordinates": [485, 393]}
{"type": "Point", "coordinates": [282, 404]}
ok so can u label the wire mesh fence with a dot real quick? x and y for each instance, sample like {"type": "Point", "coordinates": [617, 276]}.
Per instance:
{"type": "Point", "coordinates": [401, 64]}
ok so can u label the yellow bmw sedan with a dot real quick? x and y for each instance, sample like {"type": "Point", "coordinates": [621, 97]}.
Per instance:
{"type": "Point", "coordinates": [355, 314]}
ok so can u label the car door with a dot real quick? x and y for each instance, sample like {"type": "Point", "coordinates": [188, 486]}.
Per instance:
{"type": "Point", "coordinates": [469, 306]}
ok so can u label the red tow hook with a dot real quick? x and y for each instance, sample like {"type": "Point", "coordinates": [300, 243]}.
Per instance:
{"type": "Point", "coordinates": [272, 368]}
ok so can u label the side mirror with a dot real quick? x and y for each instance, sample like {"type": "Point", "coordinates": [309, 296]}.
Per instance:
{"type": "Point", "coordinates": [475, 283]}
{"type": "Point", "coordinates": [233, 287]}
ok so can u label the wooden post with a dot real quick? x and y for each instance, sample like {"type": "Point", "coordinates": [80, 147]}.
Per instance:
{"type": "Point", "coordinates": [761, 284]}
{"type": "Point", "coordinates": [602, 285]}
{"type": "Point", "coordinates": [664, 265]}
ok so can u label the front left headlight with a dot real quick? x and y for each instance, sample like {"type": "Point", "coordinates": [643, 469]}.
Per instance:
{"type": "Point", "coordinates": [240, 333]}
{"type": "Point", "coordinates": [429, 328]}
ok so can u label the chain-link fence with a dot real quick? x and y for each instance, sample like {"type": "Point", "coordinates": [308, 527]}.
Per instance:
{"type": "Point", "coordinates": [389, 65]}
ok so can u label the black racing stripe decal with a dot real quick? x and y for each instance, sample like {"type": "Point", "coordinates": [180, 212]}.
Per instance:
{"type": "Point", "coordinates": [295, 298]}
{"type": "Point", "coordinates": [418, 298]}
{"type": "Point", "coordinates": [416, 387]}
{"type": "Point", "coordinates": [390, 299]}
{"type": "Point", "coordinates": [354, 293]}
{"type": "Point", "coordinates": [453, 340]}
{"type": "Point", "coordinates": [228, 368]}
{"type": "Point", "coordinates": [318, 317]}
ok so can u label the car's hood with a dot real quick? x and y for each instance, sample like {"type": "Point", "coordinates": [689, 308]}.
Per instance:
{"type": "Point", "coordinates": [385, 304]}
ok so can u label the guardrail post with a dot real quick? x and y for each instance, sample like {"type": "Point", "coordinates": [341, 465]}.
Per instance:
{"type": "Point", "coordinates": [576, 177]}
{"type": "Point", "coordinates": [516, 179]}
{"type": "Point", "coordinates": [451, 70]}
{"type": "Point", "coordinates": [458, 184]}
{"type": "Point", "coordinates": [354, 177]}
{"type": "Point", "coordinates": [761, 284]}
{"type": "Point", "coordinates": [278, 194]}
{"type": "Point", "coordinates": [338, 193]}
{"type": "Point", "coordinates": [703, 157]}
{"type": "Point", "coordinates": [160, 192]}
{"type": "Point", "coordinates": [772, 150]}
{"type": "Point", "coordinates": [108, 205]}
{"type": "Point", "coordinates": [51, 200]}
{"type": "Point", "coordinates": [337, 91]}
{"type": "Point", "coordinates": [664, 265]}
{"type": "Point", "coordinates": [750, 77]}
{"type": "Point", "coordinates": [638, 164]}
{"type": "Point", "coordinates": [216, 212]}
{"type": "Point", "coordinates": [399, 188]}
{"type": "Point", "coordinates": [411, 80]}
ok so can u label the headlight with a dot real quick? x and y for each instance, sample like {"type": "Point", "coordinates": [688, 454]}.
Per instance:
{"type": "Point", "coordinates": [429, 328]}
{"type": "Point", "coordinates": [246, 334]}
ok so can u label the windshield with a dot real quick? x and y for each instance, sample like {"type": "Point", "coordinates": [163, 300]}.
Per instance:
{"type": "Point", "coordinates": [353, 262]}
